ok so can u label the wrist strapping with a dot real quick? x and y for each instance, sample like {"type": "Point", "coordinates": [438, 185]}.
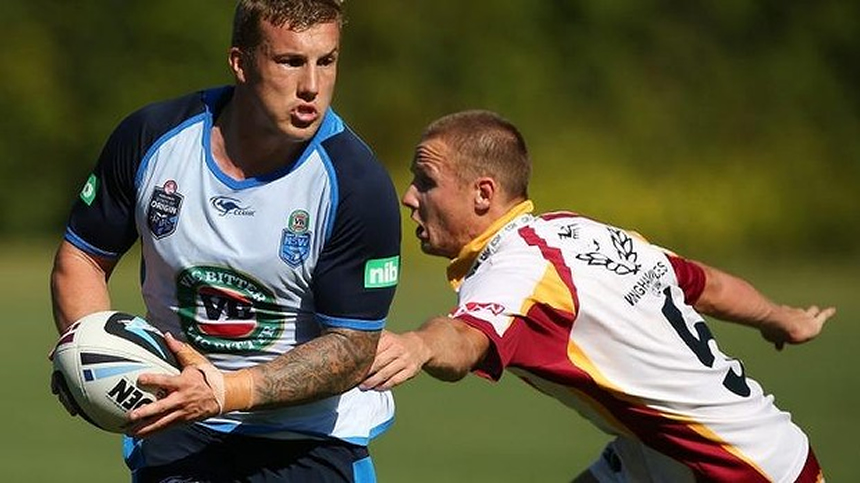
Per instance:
{"type": "Point", "coordinates": [233, 391]}
{"type": "Point", "coordinates": [238, 391]}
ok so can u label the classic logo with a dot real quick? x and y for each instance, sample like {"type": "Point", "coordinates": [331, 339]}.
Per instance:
{"type": "Point", "coordinates": [88, 192]}
{"type": "Point", "coordinates": [381, 272]}
{"type": "Point", "coordinates": [226, 205]}
{"type": "Point", "coordinates": [226, 311]}
{"type": "Point", "coordinates": [296, 239]}
{"type": "Point", "coordinates": [162, 213]}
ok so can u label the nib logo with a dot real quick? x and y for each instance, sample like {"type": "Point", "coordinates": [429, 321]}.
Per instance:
{"type": "Point", "coordinates": [381, 272]}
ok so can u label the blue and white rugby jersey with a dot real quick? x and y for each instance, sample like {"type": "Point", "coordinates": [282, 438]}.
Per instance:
{"type": "Point", "coordinates": [247, 270]}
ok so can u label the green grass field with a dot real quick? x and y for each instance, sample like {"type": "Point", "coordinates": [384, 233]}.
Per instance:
{"type": "Point", "coordinates": [473, 431]}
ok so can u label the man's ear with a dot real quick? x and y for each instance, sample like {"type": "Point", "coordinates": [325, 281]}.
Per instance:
{"type": "Point", "coordinates": [238, 64]}
{"type": "Point", "coordinates": [485, 193]}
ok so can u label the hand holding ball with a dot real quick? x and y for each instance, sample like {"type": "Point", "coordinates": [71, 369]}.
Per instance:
{"type": "Point", "coordinates": [96, 363]}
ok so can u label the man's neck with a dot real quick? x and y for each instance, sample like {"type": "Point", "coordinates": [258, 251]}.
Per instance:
{"type": "Point", "coordinates": [244, 148]}
{"type": "Point", "coordinates": [459, 266]}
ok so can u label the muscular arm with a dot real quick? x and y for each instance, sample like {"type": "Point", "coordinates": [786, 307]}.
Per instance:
{"type": "Point", "coordinates": [322, 367]}
{"type": "Point", "coordinates": [733, 299]}
{"type": "Point", "coordinates": [453, 347]}
{"type": "Point", "coordinates": [325, 366]}
{"type": "Point", "coordinates": [445, 348]}
{"type": "Point", "coordinates": [78, 284]}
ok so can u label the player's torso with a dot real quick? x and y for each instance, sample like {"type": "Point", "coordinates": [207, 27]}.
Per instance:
{"type": "Point", "coordinates": [230, 261]}
{"type": "Point", "coordinates": [633, 357]}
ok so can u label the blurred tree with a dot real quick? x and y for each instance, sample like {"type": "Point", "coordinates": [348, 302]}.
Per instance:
{"type": "Point", "coordinates": [728, 125]}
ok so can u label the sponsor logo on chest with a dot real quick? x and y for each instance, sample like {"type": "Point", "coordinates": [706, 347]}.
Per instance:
{"type": "Point", "coordinates": [223, 310]}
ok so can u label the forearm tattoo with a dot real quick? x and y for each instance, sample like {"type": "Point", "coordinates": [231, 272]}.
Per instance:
{"type": "Point", "coordinates": [323, 367]}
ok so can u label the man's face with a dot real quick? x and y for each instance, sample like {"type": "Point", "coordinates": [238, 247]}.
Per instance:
{"type": "Point", "coordinates": [292, 76]}
{"type": "Point", "coordinates": [442, 205]}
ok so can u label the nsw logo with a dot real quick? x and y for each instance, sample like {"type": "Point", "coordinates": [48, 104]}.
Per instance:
{"type": "Point", "coordinates": [296, 239]}
{"type": "Point", "coordinates": [226, 205]}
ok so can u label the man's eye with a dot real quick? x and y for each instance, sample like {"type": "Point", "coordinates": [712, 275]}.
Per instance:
{"type": "Point", "coordinates": [423, 183]}
{"type": "Point", "coordinates": [292, 61]}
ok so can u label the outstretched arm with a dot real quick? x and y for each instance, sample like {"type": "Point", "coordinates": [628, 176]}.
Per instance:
{"type": "Point", "coordinates": [733, 299]}
{"type": "Point", "coordinates": [445, 348]}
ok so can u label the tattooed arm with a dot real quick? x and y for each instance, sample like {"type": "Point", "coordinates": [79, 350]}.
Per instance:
{"type": "Point", "coordinates": [320, 368]}
{"type": "Point", "coordinates": [326, 366]}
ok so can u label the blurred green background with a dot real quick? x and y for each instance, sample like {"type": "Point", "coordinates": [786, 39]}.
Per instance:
{"type": "Point", "coordinates": [728, 131]}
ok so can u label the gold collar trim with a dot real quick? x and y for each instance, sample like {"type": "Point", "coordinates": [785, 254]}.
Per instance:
{"type": "Point", "coordinates": [460, 266]}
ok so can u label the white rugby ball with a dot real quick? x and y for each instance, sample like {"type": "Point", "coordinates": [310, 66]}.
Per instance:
{"type": "Point", "coordinates": [99, 358]}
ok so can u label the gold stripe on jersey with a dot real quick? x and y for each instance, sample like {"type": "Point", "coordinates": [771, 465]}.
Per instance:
{"type": "Point", "coordinates": [551, 291]}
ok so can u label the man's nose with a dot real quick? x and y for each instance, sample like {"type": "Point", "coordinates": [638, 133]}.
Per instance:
{"type": "Point", "coordinates": [308, 87]}
{"type": "Point", "coordinates": [409, 200]}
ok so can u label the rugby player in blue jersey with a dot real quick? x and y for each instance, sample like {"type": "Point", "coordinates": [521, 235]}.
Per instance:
{"type": "Point", "coordinates": [270, 240]}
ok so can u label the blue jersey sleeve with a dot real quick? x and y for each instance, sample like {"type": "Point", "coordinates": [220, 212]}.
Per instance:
{"type": "Point", "coordinates": [102, 218]}
{"type": "Point", "coordinates": [357, 273]}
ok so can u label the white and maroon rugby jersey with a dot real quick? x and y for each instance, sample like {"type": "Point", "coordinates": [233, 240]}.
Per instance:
{"type": "Point", "coordinates": [602, 321]}
{"type": "Point", "coordinates": [245, 270]}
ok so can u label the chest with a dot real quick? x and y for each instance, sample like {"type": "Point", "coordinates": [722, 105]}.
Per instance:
{"type": "Point", "coordinates": [190, 215]}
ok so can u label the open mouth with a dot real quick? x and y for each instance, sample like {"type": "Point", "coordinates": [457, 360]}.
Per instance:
{"type": "Point", "coordinates": [304, 115]}
{"type": "Point", "coordinates": [421, 233]}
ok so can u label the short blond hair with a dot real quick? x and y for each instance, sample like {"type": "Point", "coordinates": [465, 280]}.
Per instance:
{"type": "Point", "coordinates": [298, 14]}
{"type": "Point", "coordinates": [485, 144]}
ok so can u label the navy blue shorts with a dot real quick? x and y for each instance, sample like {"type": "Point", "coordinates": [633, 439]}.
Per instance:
{"type": "Point", "coordinates": [197, 454]}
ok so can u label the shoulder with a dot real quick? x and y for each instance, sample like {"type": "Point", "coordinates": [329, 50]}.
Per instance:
{"type": "Point", "coordinates": [147, 124]}
{"type": "Point", "coordinates": [354, 163]}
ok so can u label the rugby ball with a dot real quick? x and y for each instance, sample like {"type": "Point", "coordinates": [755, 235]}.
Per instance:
{"type": "Point", "coordinates": [98, 360]}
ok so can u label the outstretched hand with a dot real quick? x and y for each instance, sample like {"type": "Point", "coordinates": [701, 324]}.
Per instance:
{"type": "Point", "coordinates": [792, 325]}
{"type": "Point", "coordinates": [398, 359]}
{"type": "Point", "coordinates": [194, 394]}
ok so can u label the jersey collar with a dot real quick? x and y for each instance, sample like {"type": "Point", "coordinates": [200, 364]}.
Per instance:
{"type": "Point", "coordinates": [459, 267]}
